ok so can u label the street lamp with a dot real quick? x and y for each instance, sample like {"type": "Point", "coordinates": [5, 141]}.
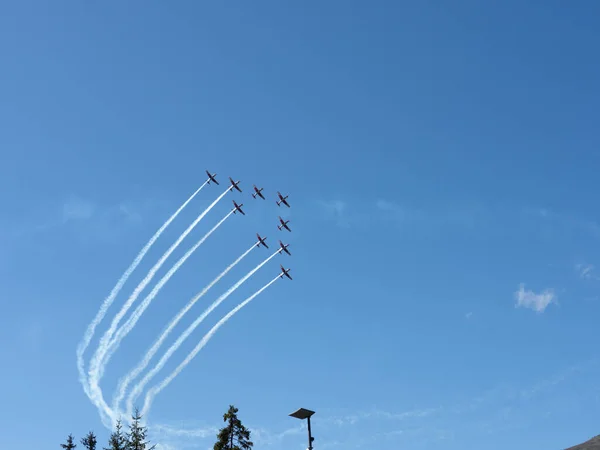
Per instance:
{"type": "Point", "coordinates": [305, 414]}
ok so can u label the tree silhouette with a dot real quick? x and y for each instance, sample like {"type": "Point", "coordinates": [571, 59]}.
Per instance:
{"type": "Point", "coordinates": [89, 441]}
{"type": "Point", "coordinates": [137, 434]}
{"type": "Point", "coordinates": [234, 436]}
{"type": "Point", "coordinates": [117, 440]}
{"type": "Point", "coordinates": [70, 445]}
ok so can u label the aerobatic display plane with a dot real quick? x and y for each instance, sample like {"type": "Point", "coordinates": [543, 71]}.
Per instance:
{"type": "Point", "coordinates": [234, 184]}
{"type": "Point", "coordinates": [237, 208]}
{"type": "Point", "coordinates": [283, 224]}
{"type": "Point", "coordinates": [261, 241]}
{"type": "Point", "coordinates": [212, 177]}
{"type": "Point", "coordinates": [282, 199]}
{"type": "Point", "coordinates": [284, 248]}
{"type": "Point", "coordinates": [285, 272]}
{"type": "Point", "coordinates": [258, 191]}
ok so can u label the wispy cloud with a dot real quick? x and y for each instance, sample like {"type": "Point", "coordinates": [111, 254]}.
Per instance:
{"type": "Point", "coordinates": [76, 208]}
{"type": "Point", "coordinates": [336, 210]}
{"type": "Point", "coordinates": [88, 218]}
{"type": "Point", "coordinates": [537, 302]}
{"type": "Point", "coordinates": [494, 411]}
{"type": "Point", "coordinates": [468, 315]}
{"type": "Point", "coordinates": [345, 214]}
{"type": "Point", "coordinates": [587, 271]}
{"type": "Point", "coordinates": [567, 222]}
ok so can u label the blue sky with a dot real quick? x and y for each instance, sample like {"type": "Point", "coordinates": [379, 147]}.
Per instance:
{"type": "Point", "coordinates": [441, 162]}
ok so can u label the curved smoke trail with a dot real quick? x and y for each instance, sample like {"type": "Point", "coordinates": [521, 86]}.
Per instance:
{"type": "Point", "coordinates": [140, 386]}
{"type": "Point", "coordinates": [89, 332]}
{"type": "Point", "coordinates": [137, 314]}
{"type": "Point", "coordinates": [124, 382]}
{"type": "Point", "coordinates": [96, 362]}
{"type": "Point", "coordinates": [156, 389]}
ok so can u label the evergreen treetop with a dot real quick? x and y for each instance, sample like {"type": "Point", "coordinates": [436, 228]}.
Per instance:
{"type": "Point", "coordinates": [70, 445]}
{"type": "Point", "coordinates": [234, 436]}
{"type": "Point", "coordinates": [137, 434]}
{"type": "Point", "coordinates": [89, 441]}
{"type": "Point", "coordinates": [117, 440]}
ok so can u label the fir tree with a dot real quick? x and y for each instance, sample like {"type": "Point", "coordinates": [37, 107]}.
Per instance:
{"type": "Point", "coordinates": [89, 441]}
{"type": "Point", "coordinates": [234, 436]}
{"type": "Point", "coordinates": [70, 445]}
{"type": "Point", "coordinates": [137, 434]}
{"type": "Point", "coordinates": [117, 440]}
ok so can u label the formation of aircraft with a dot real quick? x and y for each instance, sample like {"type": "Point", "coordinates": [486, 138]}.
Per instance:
{"type": "Point", "coordinates": [258, 192]}
{"type": "Point", "coordinates": [261, 241]}
{"type": "Point", "coordinates": [282, 199]}
{"type": "Point", "coordinates": [284, 248]}
{"type": "Point", "coordinates": [283, 224]}
{"type": "Point", "coordinates": [212, 177]}
{"type": "Point", "coordinates": [237, 208]}
{"type": "Point", "coordinates": [285, 272]}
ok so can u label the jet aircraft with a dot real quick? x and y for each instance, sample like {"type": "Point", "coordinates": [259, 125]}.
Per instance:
{"type": "Point", "coordinates": [282, 199]}
{"type": "Point", "coordinates": [285, 272]}
{"type": "Point", "coordinates": [234, 184]}
{"type": "Point", "coordinates": [284, 248]}
{"type": "Point", "coordinates": [261, 241]}
{"type": "Point", "coordinates": [283, 224]}
{"type": "Point", "coordinates": [212, 177]}
{"type": "Point", "coordinates": [237, 208]}
{"type": "Point", "coordinates": [258, 192]}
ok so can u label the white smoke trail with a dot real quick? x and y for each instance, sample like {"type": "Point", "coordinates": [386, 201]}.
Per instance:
{"type": "Point", "coordinates": [140, 386]}
{"type": "Point", "coordinates": [137, 313]}
{"type": "Point", "coordinates": [156, 389]}
{"type": "Point", "coordinates": [89, 333]}
{"type": "Point", "coordinates": [124, 382]}
{"type": "Point", "coordinates": [96, 364]}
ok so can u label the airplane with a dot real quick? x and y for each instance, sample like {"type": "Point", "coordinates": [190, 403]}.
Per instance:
{"type": "Point", "coordinates": [258, 192]}
{"type": "Point", "coordinates": [212, 177]}
{"type": "Point", "coordinates": [283, 224]}
{"type": "Point", "coordinates": [284, 248]}
{"type": "Point", "coordinates": [285, 272]}
{"type": "Point", "coordinates": [261, 241]}
{"type": "Point", "coordinates": [234, 184]}
{"type": "Point", "coordinates": [238, 208]}
{"type": "Point", "coordinates": [282, 199]}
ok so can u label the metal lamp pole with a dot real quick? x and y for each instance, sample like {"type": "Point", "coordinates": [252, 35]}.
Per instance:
{"type": "Point", "coordinates": [305, 414]}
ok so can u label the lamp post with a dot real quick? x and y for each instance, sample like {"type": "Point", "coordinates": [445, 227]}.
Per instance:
{"type": "Point", "coordinates": [305, 414]}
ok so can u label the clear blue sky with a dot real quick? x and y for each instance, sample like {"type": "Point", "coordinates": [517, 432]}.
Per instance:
{"type": "Point", "coordinates": [442, 165]}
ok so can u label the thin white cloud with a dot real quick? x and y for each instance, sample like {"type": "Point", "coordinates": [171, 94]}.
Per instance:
{"type": "Point", "coordinates": [531, 300]}
{"type": "Point", "coordinates": [396, 211]}
{"type": "Point", "coordinates": [335, 207]}
{"type": "Point", "coordinates": [385, 205]}
{"type": "Point", "coordinates": [336, 210]}
{"type": "Point", "coordinates": [378, 414]}
{"type": "Point", "coordinates": [468, 315]}
{"type": "Point", "coordinates": [567, 222]}
{"type": "Point", "coordinates": [587, 271]}
{"type": "Point", "coordinates": [77, 209]}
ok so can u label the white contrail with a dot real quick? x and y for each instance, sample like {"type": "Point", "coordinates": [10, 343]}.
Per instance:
{"type": "Point", "coordinates": [124, 382]}
{"type": "Point", "coordinates": [89, 333]}
{"type": "Point", "coordinates": [97, 359]}
{"type": "Point", "coordinates": [140, 386]}
{"type": "Point", "coordinates": [137, 313]}
{"type": "Point", "coordinates": [156, 389]}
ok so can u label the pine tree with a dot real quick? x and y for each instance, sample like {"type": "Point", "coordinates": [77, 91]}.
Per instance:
{"type": "Point", "coordinates": [70, 445]}
{"type": "Point", "coordinates": [234, 436]}
{"type": "Point", "coordinates": [117, 440]}
{"type": "Point", "coordinates": [137, 434]}
{"type": "Point", "coordinates": [89, 441]}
